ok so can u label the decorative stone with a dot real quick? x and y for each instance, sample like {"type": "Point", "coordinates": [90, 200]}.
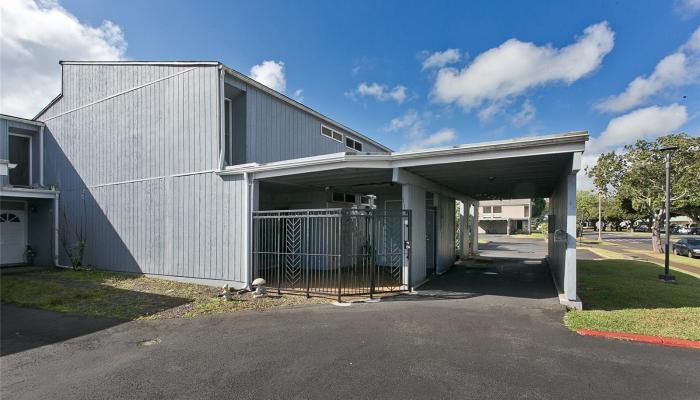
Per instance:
{"type": "Point", "coordinates": [260, 289]}
{"type": "Point", "coordinates": [259, 282]}
{"type": "Point", "coordinates": [225, 293]}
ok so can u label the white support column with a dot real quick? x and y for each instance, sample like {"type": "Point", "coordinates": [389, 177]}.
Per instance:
{"type": "Point", "coordinates": [464, 229]}
{"type": "Point", "coordinates": [252, 204]}
{"type": "Point", "coordinates": [570, 257]}
{"type": "Point", "coordinates": [474, 237]}
{"type": "Point", "coordinates": [413, 198]}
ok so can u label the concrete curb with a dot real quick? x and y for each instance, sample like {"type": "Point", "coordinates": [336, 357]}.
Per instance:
{"type": "Point", "coordinates": [633, 337]}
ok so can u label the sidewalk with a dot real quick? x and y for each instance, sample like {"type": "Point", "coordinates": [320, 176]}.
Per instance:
{"type": "Point", "coordinates": [619, 251]}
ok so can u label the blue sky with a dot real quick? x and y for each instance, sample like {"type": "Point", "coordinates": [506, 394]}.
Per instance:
{"type": "Point", "coordinates": [523, 68]}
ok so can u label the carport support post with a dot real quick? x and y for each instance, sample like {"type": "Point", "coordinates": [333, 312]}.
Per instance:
{"type": "Point", "coordinates": [474, 211]}
{"type": "Point", "coordinates": [463, 226]}
{"type": "Point", "coordinates": [570, 256]}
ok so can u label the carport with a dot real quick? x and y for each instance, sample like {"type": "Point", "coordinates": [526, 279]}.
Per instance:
{"type": "Point", "coordinates": [428, 182]}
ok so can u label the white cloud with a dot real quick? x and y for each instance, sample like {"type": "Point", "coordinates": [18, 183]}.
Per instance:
{"type": "Point", "coordinates": [412, 126]}
{"type": "Point", "coordinates": [525, 115]}
{"type": "Point", "coordinates": [409, 122]}
{"type": "Point", "coordinates": [677, 69]}
{"type": "Point", "coordinates": [441, 137]}
{"type": "Point", "coordinates": [686, 8]}
{"type": "Point", "coordinates": [441, 58]}
{"type": "Point", "coordinates": [379, 92]}
{"type": "Point", "coordinates": [299, 95]}
{"type": "Point", "coordinates": [514, 67]}
{"type": "Point", "coordinates": [271, 74]}
{"type": "Point", "coordinates": [382, 92]}
{"type": "Point", "coordinates": [644, 123]}
{"type": "Point", "coordinates": [33, 38]}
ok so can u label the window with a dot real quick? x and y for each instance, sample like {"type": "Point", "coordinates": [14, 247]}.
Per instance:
{"type": "Point", "coordinates": [497, 209]}
{"type": "Point", "coordinates": [228, 132]}
{"type": "Point", "coordinates": [332, 134]}
{"type": "Point", "coordinates": [526, 211]}
{"type": "Point", "coordinates": [353, 144]}
{"type": "Point", "coordinates": [487, 210]}
{"type": "Point", "coordinates": [339, 197]}
{"type": "Point", "coordinates": [8, 217]}
{"type": "Point", "coordinates": [20, 154]}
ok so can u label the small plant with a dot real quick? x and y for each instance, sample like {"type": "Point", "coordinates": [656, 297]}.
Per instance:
{"type": "Point", "coordinates": [544, 229]}
{"type": "Point", "coordinates": [74, 243]}
{"type": "Point", "coordinates": [76, 252]}
{"type": "Point", "coordinates": [30, 253]}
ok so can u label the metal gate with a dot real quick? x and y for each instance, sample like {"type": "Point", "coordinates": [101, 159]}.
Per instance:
{"type": "Point", "coordinates": [338, 252]}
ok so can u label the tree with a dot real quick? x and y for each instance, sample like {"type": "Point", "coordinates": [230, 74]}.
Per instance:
{"type": "Point", "coordinates": [586, 206]}
{"type": "Point", "coordinates": [638, 174]}
{"type": "Point", "coordinates": [613, 212]}
{"type": "Point", "coordinates": [538, 207]}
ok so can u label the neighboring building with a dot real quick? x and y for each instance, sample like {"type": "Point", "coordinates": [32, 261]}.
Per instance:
{"type": "Point", "coordinates": [505, 216]}
{"type": "Point", "coordinates": [193, 170]}
{"type": "Point", "coordinates": [27, 206]}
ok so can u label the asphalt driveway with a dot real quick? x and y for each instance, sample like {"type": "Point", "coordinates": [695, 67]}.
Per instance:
{"type": "Point", "coordinates": [457, 338]}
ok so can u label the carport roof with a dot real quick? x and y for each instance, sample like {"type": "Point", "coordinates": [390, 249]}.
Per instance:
{"type": "Point", "coordinates": [516, 168]}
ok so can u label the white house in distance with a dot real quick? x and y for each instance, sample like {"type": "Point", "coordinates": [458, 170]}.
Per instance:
{"type": "Point", "coordinates": [505, 216]}
{"type": "Point", "coordinates": [190, 169]}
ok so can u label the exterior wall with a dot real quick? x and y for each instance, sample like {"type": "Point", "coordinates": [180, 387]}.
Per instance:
{"type": "Point", "coordinates": [24, 129]}
{"type": "Point", "coordinates": [499, 227]}
{"type": "Point", "coordinates": [445, 233]}
{"type": "Point", "coordinates": [562, 253]}
{"type": "Point", "coordinates": [414, 200]}
{"type": "Point", "coordinates": [40, 225]}
{"type": "Point", "coordinates": [510, 209]}
{"type": "Point", "coordinates": [138, 169]}
{"type": "Point", "coordinates": [279, 131]}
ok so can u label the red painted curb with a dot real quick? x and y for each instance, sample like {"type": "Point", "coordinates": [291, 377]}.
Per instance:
{"type": "Point", "coordinates": [633, 337]}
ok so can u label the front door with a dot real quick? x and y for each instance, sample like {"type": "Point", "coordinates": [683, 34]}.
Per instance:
{"type": "Point", "coordinates": [13, 236]}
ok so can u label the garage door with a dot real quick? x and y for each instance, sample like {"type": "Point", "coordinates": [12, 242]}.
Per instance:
{"type": "Point", "coordinates": [13, 236]}
{"type": "Point", "coordinates": [494, 227]}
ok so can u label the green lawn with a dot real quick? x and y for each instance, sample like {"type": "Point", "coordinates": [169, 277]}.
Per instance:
{"type": "Point", "coordinates": [626, 296]}
{"type": "Point", "coordinates": [126, 296]}
{"type": "Point", "coordinates": [533, 235]}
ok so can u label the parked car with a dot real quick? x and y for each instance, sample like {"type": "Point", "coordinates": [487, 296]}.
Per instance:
{"type": "Point", "coordinates": [640, 228]}
{"type": "Point", "coordinates": [683, 230]}
{"type": "Point", "coordinates": [687, 247]}
{"type": "Point", "coordinates": [694, 231]}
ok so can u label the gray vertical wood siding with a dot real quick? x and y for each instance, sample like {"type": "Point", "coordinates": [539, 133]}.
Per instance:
{"type": "Point", "coordinates": [278, 131]}
{"type": "Point", "coordinates": [139, 167]}
{"type": "Point", "coordinates": [134, 150]}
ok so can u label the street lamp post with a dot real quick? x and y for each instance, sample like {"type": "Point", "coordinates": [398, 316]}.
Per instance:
{"type": "Point", "coordinates": [667, 277]}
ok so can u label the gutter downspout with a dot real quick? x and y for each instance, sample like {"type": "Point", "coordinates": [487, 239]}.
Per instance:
{"type": "Point", "coordinates": [222, 139]}
{"type": "Point", "coordinates": [55, 231]}
{"type": "Point", "coordinates": [247, 231]}
{"type": "Point", "coordinates": [41, 156]}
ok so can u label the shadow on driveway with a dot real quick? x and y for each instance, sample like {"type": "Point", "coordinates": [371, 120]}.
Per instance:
{"type": "Point", "coordinates": [26, 328]}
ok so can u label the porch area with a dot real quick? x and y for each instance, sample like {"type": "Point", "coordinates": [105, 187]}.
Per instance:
{"type": "Point", "coordinates": [341, 198]}
{"type": "Point", "coordinates": [28, 221]}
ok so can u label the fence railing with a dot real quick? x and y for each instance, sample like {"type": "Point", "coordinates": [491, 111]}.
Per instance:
{"type": "Point", "coordinates": [335, 252]}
